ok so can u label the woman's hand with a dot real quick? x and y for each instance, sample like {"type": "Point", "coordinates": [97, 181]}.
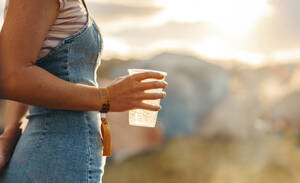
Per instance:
{"type": "Point", "coordinates": [127, 92]}
{"type": "Point", "coordinates": [8, 140]}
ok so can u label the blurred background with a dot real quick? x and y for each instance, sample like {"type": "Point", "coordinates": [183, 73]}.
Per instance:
{"type": "Point", "coordinates": [232, 111]}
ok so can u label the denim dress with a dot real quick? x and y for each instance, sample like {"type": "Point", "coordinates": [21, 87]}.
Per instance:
{"type": "Point", "coordinates": [63, 146]}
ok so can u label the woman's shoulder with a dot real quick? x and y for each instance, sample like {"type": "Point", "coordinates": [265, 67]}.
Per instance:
{"type": "Point", "coordinates": [71, 11]}
{"type": "Point", "coordinates": [67, 4]}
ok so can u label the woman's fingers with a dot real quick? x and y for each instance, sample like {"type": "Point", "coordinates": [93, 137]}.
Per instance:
{"type": "Point", "coordinates": [128, 92]}
{"type": "Point", "coordinates": [145, 106]}
{"type": "Point", "coordinates": [152, 85]}
{"type": "Point", "coordinates": [147, 75]}
{"type": "Point", "coordinates": [151, 96]}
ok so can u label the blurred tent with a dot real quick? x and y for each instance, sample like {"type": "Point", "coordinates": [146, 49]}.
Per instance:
{"type": "Point", "coordinates": [284, 115]}
{"type": "Point", "coordinates": [195, 86]}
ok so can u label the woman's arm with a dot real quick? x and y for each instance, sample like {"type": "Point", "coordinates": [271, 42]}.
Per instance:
{"type": "Point", "coordinates": [25, 27]}
{"type": "Point", "coordinates": [14, 112]}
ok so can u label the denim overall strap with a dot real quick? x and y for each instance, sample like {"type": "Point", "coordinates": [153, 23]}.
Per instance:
{"type": "Point", "coordinates": [74, 59]}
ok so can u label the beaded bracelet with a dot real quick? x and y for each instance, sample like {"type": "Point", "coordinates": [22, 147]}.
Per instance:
{"type": "Point", "coordinates": [105, 130]}
{"type": "Point", "coordinates": [105, 96]}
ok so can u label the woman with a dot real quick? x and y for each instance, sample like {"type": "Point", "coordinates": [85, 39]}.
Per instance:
{"type": "Point", "coordinates": [48, 57]}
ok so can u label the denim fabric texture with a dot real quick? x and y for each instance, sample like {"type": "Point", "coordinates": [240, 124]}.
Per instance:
{"type": "Point", "coordinates": [63, 146]}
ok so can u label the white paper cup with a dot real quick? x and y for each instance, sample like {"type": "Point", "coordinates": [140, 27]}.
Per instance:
{"type": "Point", "coordinates": [141, 117]}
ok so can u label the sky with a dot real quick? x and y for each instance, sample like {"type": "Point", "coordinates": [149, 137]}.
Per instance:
{"type": "Point", "coordinates": [252, 31]}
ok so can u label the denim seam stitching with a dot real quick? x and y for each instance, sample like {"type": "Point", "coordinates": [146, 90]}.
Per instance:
{"type": "Point", "coordinates": [89, 149]}
{"type": "Point", "coordinates": [43, 133]}
{"type": "Point", "coordinates": [68, 61]}
{"type": "Point", "coordinates": [98, 52]}
{"type": "Point", "coordinates": [101, 46]}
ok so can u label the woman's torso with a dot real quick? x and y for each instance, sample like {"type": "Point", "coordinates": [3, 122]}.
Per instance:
{"type": "Point", "coordinates": [72, 17]}
{"type": "Point", "coordinates": [63, 145]}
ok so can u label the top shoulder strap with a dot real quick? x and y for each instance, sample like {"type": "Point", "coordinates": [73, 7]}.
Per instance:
{"type": "Point", "coordinates": [84, 4]}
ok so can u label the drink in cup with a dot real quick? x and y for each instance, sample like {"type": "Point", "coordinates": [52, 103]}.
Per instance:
{"type": "Point", "coordinates": [141, 117]}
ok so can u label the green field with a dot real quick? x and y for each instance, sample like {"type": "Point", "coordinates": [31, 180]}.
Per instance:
{"type": "Point", "coordinates": [268, 159]}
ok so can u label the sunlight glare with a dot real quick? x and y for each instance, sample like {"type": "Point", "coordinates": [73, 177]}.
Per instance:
{"type": "Point", "coordinates": [228, 16]}
{"type": "Point", "coordinates": [115, 47]}
{"type": "Point", "coordinates": [213, 47]}
{"type": "Point", "coordinates": [285, 55]}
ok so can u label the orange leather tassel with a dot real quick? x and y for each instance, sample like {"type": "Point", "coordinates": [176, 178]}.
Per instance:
{"type": "Point", "coordinates": [106, 137]}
